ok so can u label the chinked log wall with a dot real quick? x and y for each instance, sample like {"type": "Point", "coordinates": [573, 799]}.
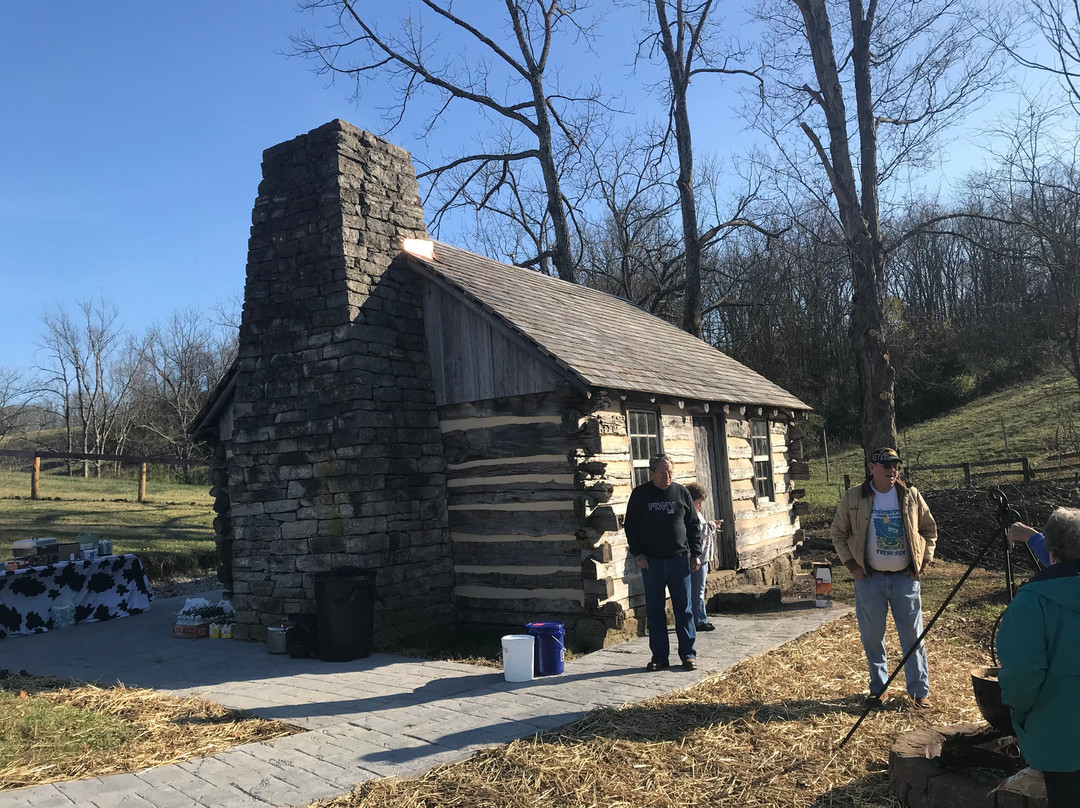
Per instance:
{"type": "Point", "coordinates": [538, 486]}
{"type": "Point", "coordinates": [518, 503]}
{"type": "Point", "coordinates": [765, 531]}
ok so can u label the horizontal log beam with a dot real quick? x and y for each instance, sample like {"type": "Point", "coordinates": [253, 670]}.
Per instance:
{"type": "Point", "coordinates": [512, 468]}
{"type": "Point", "coordinates": [518, 521]}
{"type": "Point", "coordinates": [510, 581]}
{"type": "Point", "coordinates": [547, 553]}
{"type": "Point", "coordinates": [761, 554]}
{"type": "Point", "coordinates": [513, 440]}
{"type": "Point", "coordinates": [523, 405]}
{"type": "Point", "coordinates": [510, 494]}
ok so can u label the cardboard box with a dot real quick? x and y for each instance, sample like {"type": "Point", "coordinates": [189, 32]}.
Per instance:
{"type": "Point", "coordinates": [191, 632]}
{"type": "Point", "coordinates": [67, 549]}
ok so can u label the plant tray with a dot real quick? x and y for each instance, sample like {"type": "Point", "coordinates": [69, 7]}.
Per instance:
{"type": "Point", "coordinates": [196, 632]}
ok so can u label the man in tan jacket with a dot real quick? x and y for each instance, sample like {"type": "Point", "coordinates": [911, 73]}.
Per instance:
{"type": "Point", "coordinates": [885, 535]}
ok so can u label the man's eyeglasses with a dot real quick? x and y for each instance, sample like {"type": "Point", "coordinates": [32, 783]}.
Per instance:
{"type": "Point", "coordinates": [890, 464]}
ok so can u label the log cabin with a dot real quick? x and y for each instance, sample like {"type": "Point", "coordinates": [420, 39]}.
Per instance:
{"type": "Point", "coordinates": [467, 429]}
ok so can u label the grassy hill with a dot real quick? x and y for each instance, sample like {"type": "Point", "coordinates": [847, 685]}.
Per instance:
{"type": "Point", "coordinates": [1037, 420]}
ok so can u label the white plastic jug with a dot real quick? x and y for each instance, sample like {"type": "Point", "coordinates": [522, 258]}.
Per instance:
{"type": "Point", "coordinates": [518, 657]}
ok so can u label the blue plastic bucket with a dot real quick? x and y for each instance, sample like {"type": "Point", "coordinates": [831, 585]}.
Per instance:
{"type": "Point", "coordinates": [548, 649]}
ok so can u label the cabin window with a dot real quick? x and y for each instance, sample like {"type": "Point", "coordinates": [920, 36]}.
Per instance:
{"type": "Point", "coordinates": [644, 428]}
{"type": "Point", "coordinates": [762, 451]}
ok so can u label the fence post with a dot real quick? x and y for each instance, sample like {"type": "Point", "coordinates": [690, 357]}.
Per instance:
{"type": "Point", "coordinates": [967, 475]}
{"type": "Point", "coordinates": [142, 482]}
{"type": "Point", "coordinates": [35, 474]}
{"type": "Point", "coordinates": [1027, 469]}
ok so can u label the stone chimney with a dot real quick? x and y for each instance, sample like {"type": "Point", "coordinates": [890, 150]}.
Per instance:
{"type": "Point", "coordinates": [336, 454]}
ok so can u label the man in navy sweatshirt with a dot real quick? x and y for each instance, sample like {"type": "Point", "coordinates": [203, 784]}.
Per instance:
{"type": "Point", "coordinates": [664, 537]}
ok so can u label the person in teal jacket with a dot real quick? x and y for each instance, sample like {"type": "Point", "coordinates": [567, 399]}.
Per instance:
{"type": "Point", "coordinates": [1038, 645]}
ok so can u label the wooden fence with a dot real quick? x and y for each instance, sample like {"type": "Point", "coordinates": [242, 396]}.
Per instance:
{"type": "Point", "coordinates": [1018, 469]}
{"type": "Point", "coordinates": [996, 468]}
{"type": "Point", "coordinates": [36, 456]}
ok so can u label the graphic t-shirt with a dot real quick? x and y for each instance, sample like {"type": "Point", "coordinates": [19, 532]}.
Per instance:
{"type": "Point", "coordinates": [886, 543]}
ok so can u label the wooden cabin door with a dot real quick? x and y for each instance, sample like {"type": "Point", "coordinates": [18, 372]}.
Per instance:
{"type": "Point", "coordinates": [710, 455]}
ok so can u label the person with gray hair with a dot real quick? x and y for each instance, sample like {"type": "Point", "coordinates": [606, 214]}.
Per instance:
{"type": "Point", "coordinates": [663, 536]}
{"type": "Point", "coordinates": [1038, 645]}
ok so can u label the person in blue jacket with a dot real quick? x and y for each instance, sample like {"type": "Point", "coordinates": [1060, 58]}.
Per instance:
{"type": "Point", "coordinates": [1038, 645]}
{"type": "Point", "coordinates": [1036, 541]}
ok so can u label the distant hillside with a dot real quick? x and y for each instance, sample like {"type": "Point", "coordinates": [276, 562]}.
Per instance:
{"type": "Point", "coordinates": [1036, 420]}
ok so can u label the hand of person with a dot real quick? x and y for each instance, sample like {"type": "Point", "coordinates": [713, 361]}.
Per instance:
{"type": "Point", "coordinates": [1020, 533]}
{"type": "Point", "coordinates": [858, 573]}
{"type": "Point", "coordinates": [642, 562]}
{"type": "Point", "coordinates": [695, 564]}
{"type": "Point", "coordinates": [719, 523]}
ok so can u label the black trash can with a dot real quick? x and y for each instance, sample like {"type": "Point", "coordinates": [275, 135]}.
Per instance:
{"type": "Point", "coordinates": [345, 613]}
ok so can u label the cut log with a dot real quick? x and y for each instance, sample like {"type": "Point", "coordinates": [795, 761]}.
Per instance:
{"type": "Point", "coordinates": [799, 470]}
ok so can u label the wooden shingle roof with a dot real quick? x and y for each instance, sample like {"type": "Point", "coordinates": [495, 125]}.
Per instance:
{"type": "Point", "coordinates": [603, 340]}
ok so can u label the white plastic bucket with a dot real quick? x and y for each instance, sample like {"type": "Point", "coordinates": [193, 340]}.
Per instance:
{"type": "Point", "coordinates": [518, 657]}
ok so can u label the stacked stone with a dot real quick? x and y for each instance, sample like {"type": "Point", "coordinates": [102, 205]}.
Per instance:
{"type": "Point", "coordinates": [336, 454]}
{"type": "Point", "coordinates": [223, 533]}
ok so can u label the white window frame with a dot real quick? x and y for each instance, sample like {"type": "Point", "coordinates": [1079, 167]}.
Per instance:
{"type": "Point", "coordinates": [764, 486]}
{"type": "Point", "coordinates": [653, 441]}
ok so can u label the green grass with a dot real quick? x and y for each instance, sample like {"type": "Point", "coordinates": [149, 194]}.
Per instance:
{"type": "Point", "coordinates": [54, 731]}
{"type": "Point", "coordinates": [1033, 420]}
{"type": "Point", "coordinates": [172, 532]}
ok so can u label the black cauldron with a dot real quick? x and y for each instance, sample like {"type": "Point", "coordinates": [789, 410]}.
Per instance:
{"type": "Point", "coordinates": [984, 681]}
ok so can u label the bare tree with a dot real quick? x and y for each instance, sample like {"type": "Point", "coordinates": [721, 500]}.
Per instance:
{"type": "Point", "coordinates": [685, 35]}
{"type": "Point", "coordinates": [1057, 23]}
{"type": "Point", "coordinates": [1038, 189]}
{"type": "Point", "coordinates": [91, 371]}
{"type": "Point", "coordinates": [513, 85]}
{"type": "Point", "coordinates": [907, 70]}
{"type": "Point", "coordinates": [635, 249]}
{"type": "Point", "coordinates": [183, 359]}
{"type": "Point", "coordinates": [17, 400]}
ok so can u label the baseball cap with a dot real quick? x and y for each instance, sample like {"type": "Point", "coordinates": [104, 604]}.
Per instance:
{"type": "Point", "coordinates": [884, 455]}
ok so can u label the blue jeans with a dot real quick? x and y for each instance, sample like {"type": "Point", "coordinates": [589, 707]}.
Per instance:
{"type": "Point", "coordinates": [874, 596]}
{"type": "Point", "coordinates": [672, 574]}
{"type": "Point", "coordinates": [697, 593]}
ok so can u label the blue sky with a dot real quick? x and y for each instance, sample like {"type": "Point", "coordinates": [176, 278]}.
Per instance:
{"type": "Point", "coordinates": [131, 144]}
{"type": "Point", "coordinates": [130, 151]}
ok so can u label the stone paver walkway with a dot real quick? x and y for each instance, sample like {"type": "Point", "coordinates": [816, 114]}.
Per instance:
{"type": "Point", "coordinates": [374, 717]}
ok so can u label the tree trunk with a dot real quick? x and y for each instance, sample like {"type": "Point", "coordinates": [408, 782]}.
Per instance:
{"type": "Point", "coordinates": [858, 212]}
{"type": "Point", "coordinates": [877, 417]}
{"type": "Point", "coordinates": [678, 62]}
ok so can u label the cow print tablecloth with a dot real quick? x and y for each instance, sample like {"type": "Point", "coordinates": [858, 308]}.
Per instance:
{"type": "Point", "coordinates": [102, 589]}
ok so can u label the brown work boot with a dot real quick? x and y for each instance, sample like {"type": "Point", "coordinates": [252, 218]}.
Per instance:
{"type": "Point", "coordinates": [922, 702]}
